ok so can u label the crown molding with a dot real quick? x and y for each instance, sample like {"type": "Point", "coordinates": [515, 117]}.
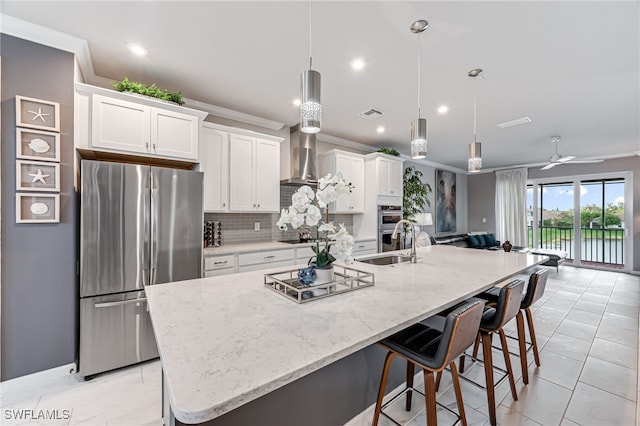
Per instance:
{"type": "Point", "coordinates": [323, 137]}
{"type": "Point", "coordinates": [80, 48]}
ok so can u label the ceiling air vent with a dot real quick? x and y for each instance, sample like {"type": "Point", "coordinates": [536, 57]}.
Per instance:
{"type": "Point", "coordinates": [371, 113]}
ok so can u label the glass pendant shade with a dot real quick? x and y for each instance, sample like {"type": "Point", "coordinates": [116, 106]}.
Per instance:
{"type": "Point", "coordinates": [310, 107]}
{"type": "Point", "coordinates": [475, 157]}
{"type": "Point", "coordinates": [419, 138]}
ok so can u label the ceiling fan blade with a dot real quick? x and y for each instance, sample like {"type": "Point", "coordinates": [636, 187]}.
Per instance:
{"type": "Point", "coordinates": [549, 166]}
{"type": "Point", "coordinates": [566, 158]}
{"type": "Point", "coordinates": [584, 161]}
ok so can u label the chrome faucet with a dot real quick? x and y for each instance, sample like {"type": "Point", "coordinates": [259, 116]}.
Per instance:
{"type": "Point", "coordinates": [394, 236]}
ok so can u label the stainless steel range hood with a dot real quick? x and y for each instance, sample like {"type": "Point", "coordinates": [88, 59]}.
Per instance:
{"type": "Point", "coordinates": [303, 158]}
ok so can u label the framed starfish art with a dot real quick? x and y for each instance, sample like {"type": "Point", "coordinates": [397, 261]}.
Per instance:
{"type": "Point", "coordinates": [37, 176]}
{"type": "Point", "coordinates": [37, 114]}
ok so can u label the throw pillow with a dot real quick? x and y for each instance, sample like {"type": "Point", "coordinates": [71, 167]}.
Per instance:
{"type": "Point", "coordinates": [483, 240]}
{"type": "Point", "coordinates": [490, 240]}
{"type": "Point", "coordinates": [474, 241]}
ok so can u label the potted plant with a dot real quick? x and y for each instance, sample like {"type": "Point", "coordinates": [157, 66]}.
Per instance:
{"type": "Point", "coordinates": [415, 193]}
{"type": "Point", "coordinates": [152, 91]}
{"type": "Point", "coordinates": [389, 151]}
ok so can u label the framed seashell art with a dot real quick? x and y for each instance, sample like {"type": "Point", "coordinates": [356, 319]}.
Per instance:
{"type": "Point", "coordinates": [37, 176]}
{"type": "Point", "coordinates": [37, 114]}
{"type": "Point", "coordinates": [37, 208]}
{"type": "Point", "coordinates": [37, 145]}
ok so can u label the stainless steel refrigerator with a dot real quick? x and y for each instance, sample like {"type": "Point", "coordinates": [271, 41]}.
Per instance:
{"type": "Point", "coordinates": [139, 226]}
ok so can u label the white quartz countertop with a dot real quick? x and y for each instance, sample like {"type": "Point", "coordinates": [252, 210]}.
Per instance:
{"type": "Point", "coordinates": [251, 247]}
{"type": "Point", "coordinates": [225, 341]}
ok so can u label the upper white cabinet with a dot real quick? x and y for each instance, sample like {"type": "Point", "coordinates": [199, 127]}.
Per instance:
{"type": "Point", "coordinates": [388, 174]}
{"type": "Point", "coordinates": [214, 162]}
{"type": "Point", "coordinates": [351, 166]}
{"type": "Point", "coordinates": [125, 123]}
{"type": "Point", "coordinates": [254, 174]}
{"type": "Point", "coordinates": [241, 170]}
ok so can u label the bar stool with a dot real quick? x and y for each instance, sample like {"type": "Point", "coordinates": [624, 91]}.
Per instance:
{"type": "Point", "coordinates": [535, 290]}
{"type": "Point", "coordinates": [493, 321]}
{"type": "Point", "coordinates": [432, 345]}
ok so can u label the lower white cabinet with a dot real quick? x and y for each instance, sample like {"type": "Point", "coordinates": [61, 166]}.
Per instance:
{"type": "Point", "coordinates": [362, 248]}
{"type": "Point", "coordinates": [265, 259]}
{"type": "Point", "coordinates": [219, 265]}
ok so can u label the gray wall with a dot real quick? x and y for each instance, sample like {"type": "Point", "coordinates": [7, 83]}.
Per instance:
{"type": "Point", "coordinates": [429, 176]}
{"type": "Point", "coordinates": [482, 191]}
{"type": "Point", "coordinates": [39, 295]}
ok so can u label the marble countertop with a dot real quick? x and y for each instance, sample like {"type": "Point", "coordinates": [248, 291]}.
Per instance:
{"type": "Point", "coordinates": [225, 341]}
{"type": "Point", "coordinates": [251, 247]}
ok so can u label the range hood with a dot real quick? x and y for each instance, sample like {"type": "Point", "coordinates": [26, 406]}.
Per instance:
{"type": "Point", "coordinates": [303, 158]}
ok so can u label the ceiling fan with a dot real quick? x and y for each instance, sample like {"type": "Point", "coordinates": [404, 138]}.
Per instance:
{"type": "Point", "coordinates": [556, 159]}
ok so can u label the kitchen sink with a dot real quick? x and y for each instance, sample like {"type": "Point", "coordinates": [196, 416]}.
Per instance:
{"type": "Point", "coordinates": [387, 260]}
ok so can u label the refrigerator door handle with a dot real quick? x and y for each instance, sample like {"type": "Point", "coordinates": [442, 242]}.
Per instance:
{"type": "Point", "coordinates": [147, 233]}
{"type": "Point", "coordinates": [119, 303]}
{"type": "Point", "coordinates": [154, 234]}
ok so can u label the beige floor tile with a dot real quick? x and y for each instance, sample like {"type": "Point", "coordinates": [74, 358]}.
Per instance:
{"type": "Point", "coordinates": [584, 317]}
{"type": "Point", "coordinates": [618, 335]}
{"type": "Point", "coordinates": [559, 303]}
{"type": "Point", "coordinates": [558, 369]}
{"type": "Point", "coordinates": [568, 346]}
{"type": "Point", "coordinates": [541, 401]}
{"type": "Point", "coordinates": [626, 356]}
{"type": "Point", "coordinates": [616, 308]}
{"type": "Point", "coordinates": [585, 305]}
{"type": "Point", "coordinates": [590, 406]}
{"type": "Point", "coordinates": [622, 300]}
{"type": "Point", "coordinates": [617, 320]}
{"type": "Point", "coordinates": [610, 377]}
{"type": "Point", "coordinates": [577, 329]}
{"type": "Point", "coordinates": [597, 298]}
{"type": "Point", "coordinates": [509, 417]}
{"type": "Point", "coordinates": [567, 422]}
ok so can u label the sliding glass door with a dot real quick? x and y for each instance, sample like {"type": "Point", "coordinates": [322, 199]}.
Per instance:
{"type": "Point", "coordinates": [584, 217]}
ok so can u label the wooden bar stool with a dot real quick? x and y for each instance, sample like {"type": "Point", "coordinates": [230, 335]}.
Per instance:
{"type": "Point", "coordinates": [432, 345]}
{"type": "Point", "coordinates": [535, 290]}
{"type": "Point", "coordinates": [493, 320]}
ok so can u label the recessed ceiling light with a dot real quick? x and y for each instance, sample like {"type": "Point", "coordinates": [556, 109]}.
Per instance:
{"type": "Point", "coordinates": [443, 109]}
{"type": "Point", "coordinates": [380, 129]}
{"type": "Point", "coordinates": [357, 64]}
{"type": "Point", "coordinates": [296, 102]}
{"type": "Point", "coordinates": [137, 49]}
{"type": "Point", "coordinates": [516, 122]}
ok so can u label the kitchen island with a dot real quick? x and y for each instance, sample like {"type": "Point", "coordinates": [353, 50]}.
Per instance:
{"type": "Point", "coordinates": [226, 341]}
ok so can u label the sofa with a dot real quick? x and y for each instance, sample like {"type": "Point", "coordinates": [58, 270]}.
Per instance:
{"type": "Point", "coordinates": [485, 241]}
{"type": "Point", "coordinates": [556, 257]}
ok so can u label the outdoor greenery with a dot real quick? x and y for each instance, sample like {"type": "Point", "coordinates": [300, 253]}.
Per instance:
{"type": "Point", "coordinates": [590, 217]}
{"type": "Point", "coordinates": [153, 91]}
{"type": "Point", "coordinates": [389, 151]}
{"type": "Point", "coordinates": [415, 194]}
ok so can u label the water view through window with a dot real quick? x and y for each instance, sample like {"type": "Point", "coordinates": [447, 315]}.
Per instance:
{"type": "Point", "coordinates": [595, 233]}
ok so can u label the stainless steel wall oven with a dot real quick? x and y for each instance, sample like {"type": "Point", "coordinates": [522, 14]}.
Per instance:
{"type": "Point", "coordinates": [388, 217]}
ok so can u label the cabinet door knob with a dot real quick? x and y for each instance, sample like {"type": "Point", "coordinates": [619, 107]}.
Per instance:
{"type": "Point", "coordinates": [154, 146]}
{"type": "Point", "coordinates": [391, 191]}
{"type": "Point", "coordinates": [146, 145]}
{"type": "Point", "coordinates": [224, 204]}
{"type": "Point", "coordinates": [258, 205]}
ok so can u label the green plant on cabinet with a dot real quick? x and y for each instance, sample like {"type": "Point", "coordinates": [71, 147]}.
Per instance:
{"type": "Point", "coordinates": [152, 91]}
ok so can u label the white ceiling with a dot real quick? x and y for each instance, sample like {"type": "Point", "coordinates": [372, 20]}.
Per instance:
{"type": "Point", "coordinates": [573, 67]}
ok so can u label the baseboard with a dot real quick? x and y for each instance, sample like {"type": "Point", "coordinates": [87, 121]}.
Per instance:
{"type": "Point", "coordinates": [45, 375]}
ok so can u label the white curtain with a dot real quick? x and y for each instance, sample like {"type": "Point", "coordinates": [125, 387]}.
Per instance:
{"type": "Point", "coordinates": [511, 206]}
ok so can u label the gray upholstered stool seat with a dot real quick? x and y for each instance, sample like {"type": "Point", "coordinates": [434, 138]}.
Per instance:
{"type": "Point", "coordinates": [432, 345]}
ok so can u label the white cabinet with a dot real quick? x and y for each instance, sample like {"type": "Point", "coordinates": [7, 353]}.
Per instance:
{"type": "Point", "coordinates": [214, 163]}
{"type": "Point", "coordinates": [125, 123]}
{"type": "Point", "coordinates": [219, 265]}
{"type": "Point", "coordinates": [351, 166]}
{"type": "Point", "coordinates": [265, 259]}
{"type": "Point", "coordinates": [362, 248]}
{"type": "Point", "coordinates": [254, 174]}
{"type": "Point", "coordinates": [388, 174]}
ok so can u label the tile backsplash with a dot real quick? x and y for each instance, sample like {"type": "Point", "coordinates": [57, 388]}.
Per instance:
{"type": "Point", "coordinates": [238, 228]}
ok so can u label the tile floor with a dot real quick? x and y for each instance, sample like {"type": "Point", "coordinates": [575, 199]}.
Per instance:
{"type": "Point", "coordinates": [587, 327]}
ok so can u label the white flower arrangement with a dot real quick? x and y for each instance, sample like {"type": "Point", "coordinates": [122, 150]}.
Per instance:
{"type": "Point", "coordinates": [303, 210]}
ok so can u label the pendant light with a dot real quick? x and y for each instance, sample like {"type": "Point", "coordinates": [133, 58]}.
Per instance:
{"type": "Point", "coordinates": [475, 148]}
{"type": "Point", "coordinates": [310, 107]}
{"type": "Point", "coordinates": [419, 125]}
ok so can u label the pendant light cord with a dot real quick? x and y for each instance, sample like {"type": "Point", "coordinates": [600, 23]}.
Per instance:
{"type": "Point", "coordinates": [475, 93]}
{"type": "Point", "coordinates": [419, 74]}
{"type": "Point", "coordinates": [310, 57]}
